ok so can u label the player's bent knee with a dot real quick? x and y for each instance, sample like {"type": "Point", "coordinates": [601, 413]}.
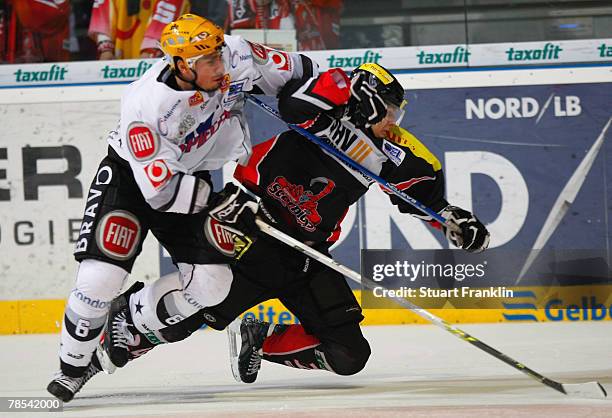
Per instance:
{"type": "Point", "coordinates": [347, 361]}
{"type": "Point", "coordinates": [205, 284]}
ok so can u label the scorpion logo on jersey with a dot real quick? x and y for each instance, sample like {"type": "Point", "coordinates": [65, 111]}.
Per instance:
{"type": "Point", "coordinates": [303, 204]}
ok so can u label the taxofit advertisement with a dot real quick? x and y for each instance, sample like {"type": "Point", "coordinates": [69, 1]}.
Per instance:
{"type": "Point", "coordinates": [399, 58]}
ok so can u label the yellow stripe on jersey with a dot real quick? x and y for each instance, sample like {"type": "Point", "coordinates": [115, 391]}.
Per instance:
{"type": "Point", "coordinates": [402, 137]}
{"type": "Point", "coordinates": [357, 155]}
{"type": "Point", "coordinates": [356, 149]}
{"type": "Point", "coordinates": [364, 155]}
{"type": "Point", "coordinates": [360, 151]}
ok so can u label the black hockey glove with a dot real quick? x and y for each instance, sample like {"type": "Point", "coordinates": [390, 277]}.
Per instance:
{"type": "Point", "coordinates": [236, 208]}
{"type": "Point", "coordinates": [230, 224]}
{"type": "Point", "coordinates": [473, 237]}
{"type": "Point", "coordinates": [366, 107]}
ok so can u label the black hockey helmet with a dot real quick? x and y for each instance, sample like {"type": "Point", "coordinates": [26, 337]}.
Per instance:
{"type": "Point", "coordinates": [383, 81]}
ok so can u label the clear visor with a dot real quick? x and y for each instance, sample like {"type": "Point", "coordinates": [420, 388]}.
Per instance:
{"type": "Point", "coordinates": [396, 113]}
{"type": "Point", "coordinates": [219, 53]}
{"type": "Point", "coordinates": [192, 60]}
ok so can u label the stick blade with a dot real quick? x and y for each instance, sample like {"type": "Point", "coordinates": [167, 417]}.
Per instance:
{"type": "Point", "coordinates": [589, 390]}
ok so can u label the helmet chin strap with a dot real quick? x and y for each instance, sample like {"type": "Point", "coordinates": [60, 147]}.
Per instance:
{"type": "Point", "coordinates": [193, 82]}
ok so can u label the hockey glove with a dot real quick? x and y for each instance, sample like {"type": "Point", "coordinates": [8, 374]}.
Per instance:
{"type": "Point", "coordinates": [473, 237]}
{"type": "Point", "coordinates": [365, 104]}
{"type": "Point", "coordinates": [230, 224]}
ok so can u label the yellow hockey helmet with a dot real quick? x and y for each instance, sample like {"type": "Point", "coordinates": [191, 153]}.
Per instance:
{"type": "Point", "coordinates": [190, 36]}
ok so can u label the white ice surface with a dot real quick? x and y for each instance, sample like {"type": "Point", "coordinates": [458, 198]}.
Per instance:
{"type": "Point", "coordinates": [414, 371]}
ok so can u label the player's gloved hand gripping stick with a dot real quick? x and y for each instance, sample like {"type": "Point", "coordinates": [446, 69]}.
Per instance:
{"type": "Point", "coordinates": [592, 390]}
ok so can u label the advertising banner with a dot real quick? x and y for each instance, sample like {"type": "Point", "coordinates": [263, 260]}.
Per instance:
{"type": "Point", "coordinates": [398, 58]}
{"type": "Point", "coordinates": [532, 162]}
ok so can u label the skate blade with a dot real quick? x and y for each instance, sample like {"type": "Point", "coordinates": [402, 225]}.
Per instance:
{"type": "Point", "coordinates": [233, 334]}
{"type": "Point", "coordinates": [105, 362]}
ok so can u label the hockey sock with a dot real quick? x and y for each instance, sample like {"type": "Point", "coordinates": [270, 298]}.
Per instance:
{"type": "Point", "coordinates": [173, 298]}
{"type": "Point", "coordinates": [291, 346]}
{"type": "Point", "coordinates": [157, 303]}
{"type": "Point", "coordinates": [85, 314]}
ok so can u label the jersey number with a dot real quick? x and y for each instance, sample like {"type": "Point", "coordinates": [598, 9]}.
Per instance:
{"type": "Point", "coordinates": [174, 319]}
{"type": "Point", "coordinates": [82, 328]}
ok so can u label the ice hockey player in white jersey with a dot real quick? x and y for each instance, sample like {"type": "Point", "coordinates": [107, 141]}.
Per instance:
{"type": "Point", "coordinates": [178, 122]}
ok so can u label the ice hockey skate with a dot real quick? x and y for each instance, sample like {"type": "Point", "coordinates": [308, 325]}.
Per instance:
{"type": "Point", "coordinates": [246, 362]}
{"type": "Point", "coordinates": [65, 387]}
{"type": "Point", "coordinates": [119, 333]}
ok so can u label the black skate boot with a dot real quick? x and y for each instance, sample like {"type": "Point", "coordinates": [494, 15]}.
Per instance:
{"type": "Point", "coordinates": [65, 387]}
{"type": "Point", "coordinates": [119, 333]}
{"type": "Point", "coordinates": [246, 363]}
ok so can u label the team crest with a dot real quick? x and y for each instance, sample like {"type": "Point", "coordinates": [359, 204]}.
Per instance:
{"type": "Point", "coordinates": [196, 99]}
{"type": "Point", "coordinates": [186, 124]}
{"type": "Point", "coordinates": [301, 203]}
{"type": "Point", "coordinates": [225, 83]}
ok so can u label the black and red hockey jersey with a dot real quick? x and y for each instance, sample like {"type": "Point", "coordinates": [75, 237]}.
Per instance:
{"type": "Point", "coordinates": [308, 190]}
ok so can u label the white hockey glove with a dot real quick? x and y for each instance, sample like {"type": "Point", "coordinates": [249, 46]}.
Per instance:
{"type": "Point", "coordinates": [365, 105]}
{"type": "Point", "coordinates": [473, 237]}
{"type": "Point", "coordinates": [230, 224]}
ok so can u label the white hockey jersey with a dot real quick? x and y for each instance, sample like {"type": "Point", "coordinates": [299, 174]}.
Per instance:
{"type": "Point", "coordinates": [166, 134]}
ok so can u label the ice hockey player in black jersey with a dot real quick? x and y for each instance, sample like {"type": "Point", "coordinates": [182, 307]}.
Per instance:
{"type": "Point", "coordinates": [305, 192]}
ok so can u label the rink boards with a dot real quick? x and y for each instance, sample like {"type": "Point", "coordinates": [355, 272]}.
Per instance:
{"type": "Point", "coordinates": [510, 142]}
{"type": "Point", "coordinates": [45, 316]}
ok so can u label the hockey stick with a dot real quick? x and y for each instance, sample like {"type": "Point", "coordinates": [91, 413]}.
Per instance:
{"type": "Point", "coordinates": [592, 390]}
{"type": "Point", "coordinates": [356, 166]}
